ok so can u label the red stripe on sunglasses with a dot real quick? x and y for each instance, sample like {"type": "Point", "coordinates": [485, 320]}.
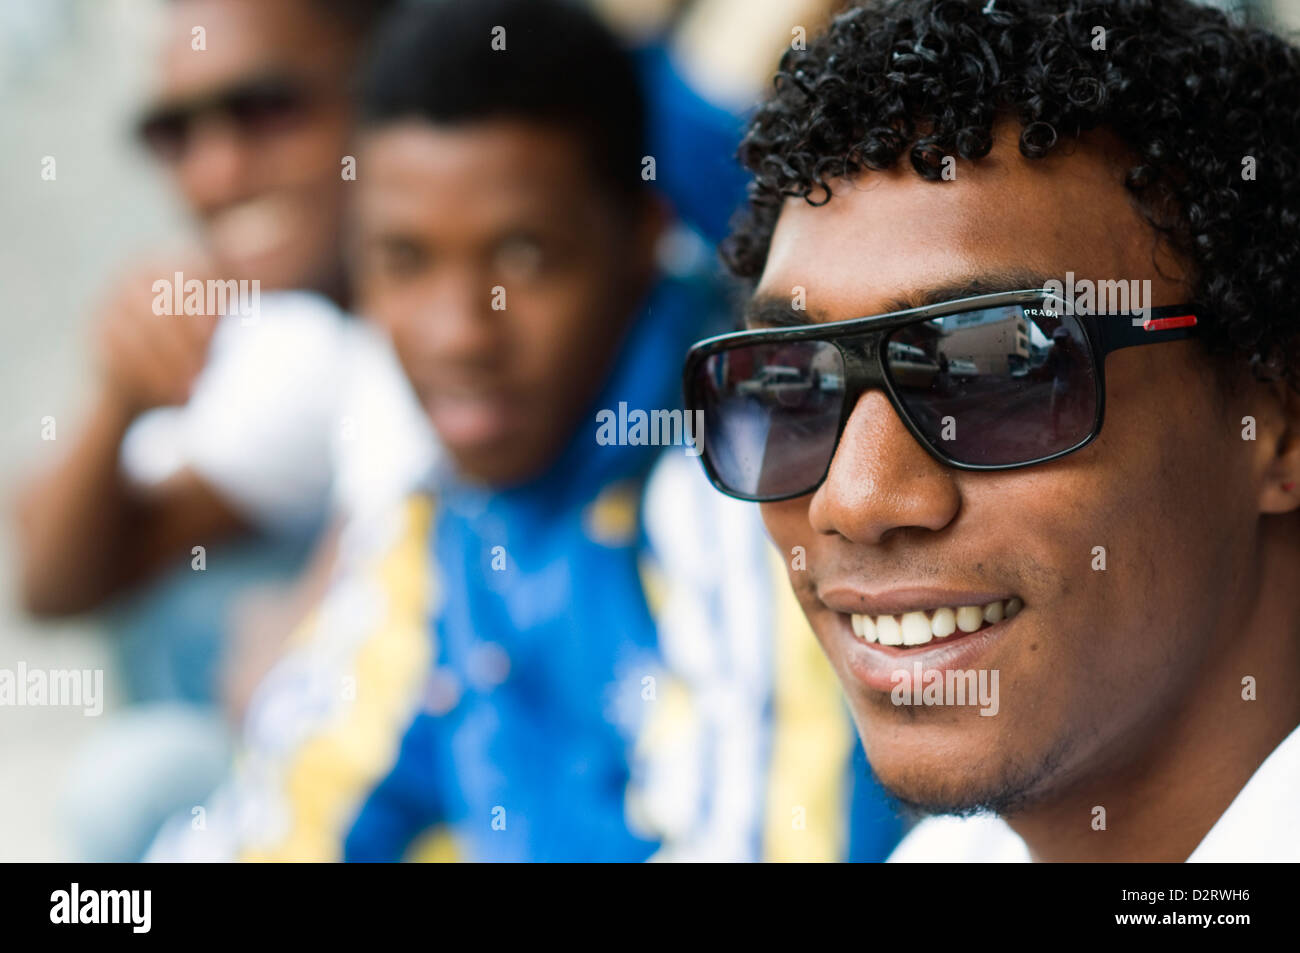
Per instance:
{"type": "Point", "coordinates": [1164, 324]}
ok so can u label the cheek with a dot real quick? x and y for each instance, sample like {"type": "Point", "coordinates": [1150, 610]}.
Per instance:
{"type": "Point", "coordinates": [409, 357]}
{"type": "Point", "coordinates": [311, 155]}
{"type": "Point", "coordinates": [1165, 468]}
{"type": "Point", "coordinates": [563, 337]}
{"type": "Point", "coordinates": [786, 520]}
{"type": "Point", "coordinates": [787, 524]}
{"type": "Point", "coordinates": [385, 303]}
{"type": "Point", "coordinates": [395, 313]}
{"type": "Point", "coordinates": [1135, 540]}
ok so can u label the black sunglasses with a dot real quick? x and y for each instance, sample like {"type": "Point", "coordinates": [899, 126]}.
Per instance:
{"type": "Point", "coordinates": [255, 107]}
{"type": "Point", "coordinates": [993, 382]}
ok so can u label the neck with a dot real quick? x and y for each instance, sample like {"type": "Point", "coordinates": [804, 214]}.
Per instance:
{"type": "Point", "coordinates": [1162, 797]}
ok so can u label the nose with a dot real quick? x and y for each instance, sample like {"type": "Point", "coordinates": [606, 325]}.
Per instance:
{"type": "Point", "coordinates": [881, 480]}
{"type": "Point", "coordinates": [454, 326]}
{"type": "Point", "coordinates": [216, 168]}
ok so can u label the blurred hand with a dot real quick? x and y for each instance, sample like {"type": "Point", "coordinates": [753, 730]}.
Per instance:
{"type": "Point", "coordinates": [151, 360]}
{"type": "Point", "coordinates": [261, 620]}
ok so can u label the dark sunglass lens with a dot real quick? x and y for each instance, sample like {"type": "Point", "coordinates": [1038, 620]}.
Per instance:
{"type": "Point", "coordinates": [165, 132]}
{"type": "Point", "coordinates": [265, 107]}
{"type": "Point", "coordinates": [998, 386]}
{"type": "Point", "coordinates": [771, 415]}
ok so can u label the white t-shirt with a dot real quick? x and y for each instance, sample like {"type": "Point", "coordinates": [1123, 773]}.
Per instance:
{"type": "Point", "coordinates": [299, 416]}
{"type": "Point", "coordinates": [1261, 825]}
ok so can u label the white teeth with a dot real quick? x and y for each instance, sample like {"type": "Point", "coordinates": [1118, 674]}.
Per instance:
{"type": "Point", "coordinates": [916, 629]}
{"type": "Point", "coordinates": [944, 623]}
{"type": "Point", "coordinates": [919, 627]}
{"type": "Point", "coordinates": [889, 631]}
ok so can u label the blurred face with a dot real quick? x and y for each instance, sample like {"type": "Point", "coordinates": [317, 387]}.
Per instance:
{"type": "Point", "coordinates": [253, 129]}
{"type": "Point", "coordinates": [1098, 663]}
{"type": "Point", "coordinates": [506, 278]}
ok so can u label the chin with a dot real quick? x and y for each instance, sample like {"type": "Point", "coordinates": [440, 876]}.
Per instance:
{"type": "Point", "coordinates": [497, 466]}
{"type": "Point", "coordinates": [934, 788]}
{"type": "Point", "coordinates": [948, 770]}
{"type": "Point", "coordinates": [272, 272]}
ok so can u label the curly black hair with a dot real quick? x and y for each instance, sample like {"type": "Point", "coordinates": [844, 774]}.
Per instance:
{"type": "Point", "coordinates": [1190, 93]}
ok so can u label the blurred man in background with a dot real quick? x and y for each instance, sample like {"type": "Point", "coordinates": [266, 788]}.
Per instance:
{"type": "Point", "coordinates": [485, 678]}
{"type": "Point", "coordinates": [210, 428]}
{"type": "Point", "coordinates": [253, 128]}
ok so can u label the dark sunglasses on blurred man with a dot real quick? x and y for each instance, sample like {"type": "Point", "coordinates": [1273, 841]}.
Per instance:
{"type": "Point", "coordinates": [255, 108]}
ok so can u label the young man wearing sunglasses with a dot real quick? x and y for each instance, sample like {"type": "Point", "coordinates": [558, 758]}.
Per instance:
{"type": "Point", "coordinates": [1094, 515]}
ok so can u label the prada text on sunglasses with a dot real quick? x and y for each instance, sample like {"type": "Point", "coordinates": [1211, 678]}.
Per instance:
{"type": "Point", "coordinates": [992, 382]}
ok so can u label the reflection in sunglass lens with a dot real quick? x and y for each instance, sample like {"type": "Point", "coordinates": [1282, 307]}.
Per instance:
{"type": "Point", "coordinates": [997, 386]}
{"type": "Point", "coordinates": [771, 415]}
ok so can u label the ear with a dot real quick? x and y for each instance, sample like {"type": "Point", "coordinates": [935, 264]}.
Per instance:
{"type": "Point", "coordinates": [1279, 447]}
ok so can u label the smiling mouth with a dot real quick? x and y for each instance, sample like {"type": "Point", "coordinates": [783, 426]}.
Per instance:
{"type": "Point", "coordinates": [921, 627]}
{"type": "Point", "coordinates": [254, 227]}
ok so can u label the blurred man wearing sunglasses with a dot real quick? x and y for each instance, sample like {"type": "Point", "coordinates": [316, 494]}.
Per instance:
{"type": "Point", "coordinates": [1051, 547]}
{"type": "Point", "coordinates": [253, 127]}
{"type": "Point", "coordinates": [251, 119]}
{"type": "Point", "coordinates": [218, 444]}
